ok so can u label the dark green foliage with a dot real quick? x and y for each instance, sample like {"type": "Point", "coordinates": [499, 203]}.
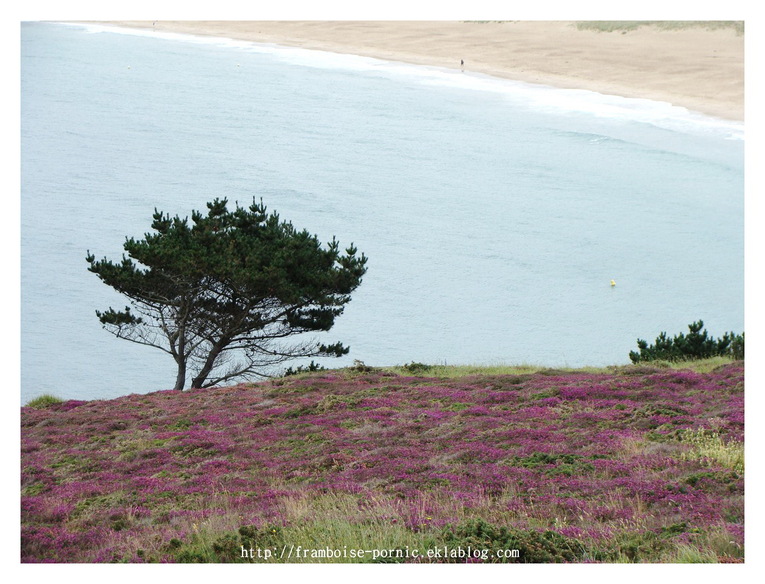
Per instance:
{"type": "Point", "coordinates": [645, 546]}
{"type": "Point", "coordinates": [304, 369]}
{"type": "Point", "coordinates": [674, 529]}
{"type": "Point", "coordinates": [417, 368]}
{"type": "Point", "coordinates": [361, 367]}
{"type": "Point", "coordinates": [119, 523]}
{"type": "Point", "coordinates": [542, 458]}
{"type": "Point", "coordinates": [737, 347]}
{"type": "Point", "coordinates": [555, 464]}
{"type": "Point", "coordinates": [717, 479]}
{"type": "Point", "coordinates": [248, 544]}
{"type": "Point", "coordinates": [227, 548]}
{"type": "Point", "coordinates": [638, 546]}
{"type": "Point", "coordinates": [181, 425]}
{"type": "Point", "coordinates": [697, 344]}
{"type": "Point", "coordinates": [655, 410]}
{"type": "Point", "coordinates": [221, 295]}
{"type": "Point", "coordinates": [533, 546]}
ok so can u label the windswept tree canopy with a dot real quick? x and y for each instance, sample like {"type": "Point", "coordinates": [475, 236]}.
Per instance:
{"type": "Point", "coordinates": [224, 294]}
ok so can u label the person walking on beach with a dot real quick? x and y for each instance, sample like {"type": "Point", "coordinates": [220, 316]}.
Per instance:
{"type": "Point", "coordinates": [462, 64]}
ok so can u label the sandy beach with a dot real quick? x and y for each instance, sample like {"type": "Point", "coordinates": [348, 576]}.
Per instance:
{"type": "Point", "coordinates": [701, 69]}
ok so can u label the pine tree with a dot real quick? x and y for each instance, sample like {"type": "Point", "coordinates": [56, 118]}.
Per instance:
{"type": "Point", "coordinates": [224, 294]}
{"type": "Point", "coordinates": [697, 344]}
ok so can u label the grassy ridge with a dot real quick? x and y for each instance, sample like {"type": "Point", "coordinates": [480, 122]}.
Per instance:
{"type": "Point", "coordinates": [627, 464]}
{"type": "Point", "coordinates": [629, 25]}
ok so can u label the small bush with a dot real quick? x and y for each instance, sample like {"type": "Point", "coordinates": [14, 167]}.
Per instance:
{"type": "Point", "coordinates": [303, 369]}
{"type": "Point", "coordinates": [417, 367]}
{"type": "Point", "coordinates": [228, 547]}
{"type": "Point", "coordinates": [533, 546]}
{"type": "Point", "coordinates": [361, 367]}
{"type": "Point", "coordinates": [636, 547]}
{"type": "Point", "coordinates": [559, 464]}
{"type": "Point", "coordinates": [44, 401]}
{"type": "Point", "coordinates": [697, 344]}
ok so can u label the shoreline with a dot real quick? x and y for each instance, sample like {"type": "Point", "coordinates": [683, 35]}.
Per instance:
{"type": "Point", "coordinates": [696, 68]}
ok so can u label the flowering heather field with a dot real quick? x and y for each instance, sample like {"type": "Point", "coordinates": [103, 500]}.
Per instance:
{"type": "Point", "coordinates": [632, 464]}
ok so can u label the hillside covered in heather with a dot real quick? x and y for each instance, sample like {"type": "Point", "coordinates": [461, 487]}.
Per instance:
{"type": "Point", "coordinates": [631, 464]}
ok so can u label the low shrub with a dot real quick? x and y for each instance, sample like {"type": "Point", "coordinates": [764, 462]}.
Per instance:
{"type": "Point", "coordinates": [499, 542]}
{"type": "Point", "coordinates": [310, 368]}
{"type": "Point", "coordinates": [417, 368]}
{"type": "Point", "coordinates": [44, 401]}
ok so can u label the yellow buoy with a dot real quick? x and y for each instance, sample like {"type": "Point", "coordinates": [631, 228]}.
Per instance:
{"type": "Point", "coordinates": [613, 283]}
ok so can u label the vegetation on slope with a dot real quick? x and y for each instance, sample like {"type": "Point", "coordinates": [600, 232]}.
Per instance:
{"type": "Point", "coordinates": [634, 464]}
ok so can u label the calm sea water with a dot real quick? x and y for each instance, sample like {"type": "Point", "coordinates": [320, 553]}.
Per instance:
{"type": "Point", "coordinates": [494, 213]}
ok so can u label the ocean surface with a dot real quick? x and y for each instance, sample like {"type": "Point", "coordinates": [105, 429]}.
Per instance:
{"type": "Point", "coordinates": [494, 213]}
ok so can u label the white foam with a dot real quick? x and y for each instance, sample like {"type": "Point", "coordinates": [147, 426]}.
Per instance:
{"type": "Point", "coordinates": [519, 94]}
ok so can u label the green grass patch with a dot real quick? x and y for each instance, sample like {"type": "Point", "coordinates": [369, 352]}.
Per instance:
{"type": "Point", "coordinates": [457, 371]}
{"type": "Point", "coordinates": [44, 401]}
{"type": "Point", "coordinates": [706, 445]}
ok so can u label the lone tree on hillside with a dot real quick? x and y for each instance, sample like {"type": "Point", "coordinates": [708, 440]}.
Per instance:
{"type": "Point", "coordinates": [224, 294]}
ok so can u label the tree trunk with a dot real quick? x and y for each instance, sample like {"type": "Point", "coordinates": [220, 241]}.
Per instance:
{"type": "Point", "coordinates": [180, 359]}
{"type": "Point", "coordinates": [208, 366]}
{"type": "Point", "coordinates": [180, 379]}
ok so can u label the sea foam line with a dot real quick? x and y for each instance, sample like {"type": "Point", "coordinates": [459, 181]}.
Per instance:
{"type": "Point", "coordinates": [533, 96]}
